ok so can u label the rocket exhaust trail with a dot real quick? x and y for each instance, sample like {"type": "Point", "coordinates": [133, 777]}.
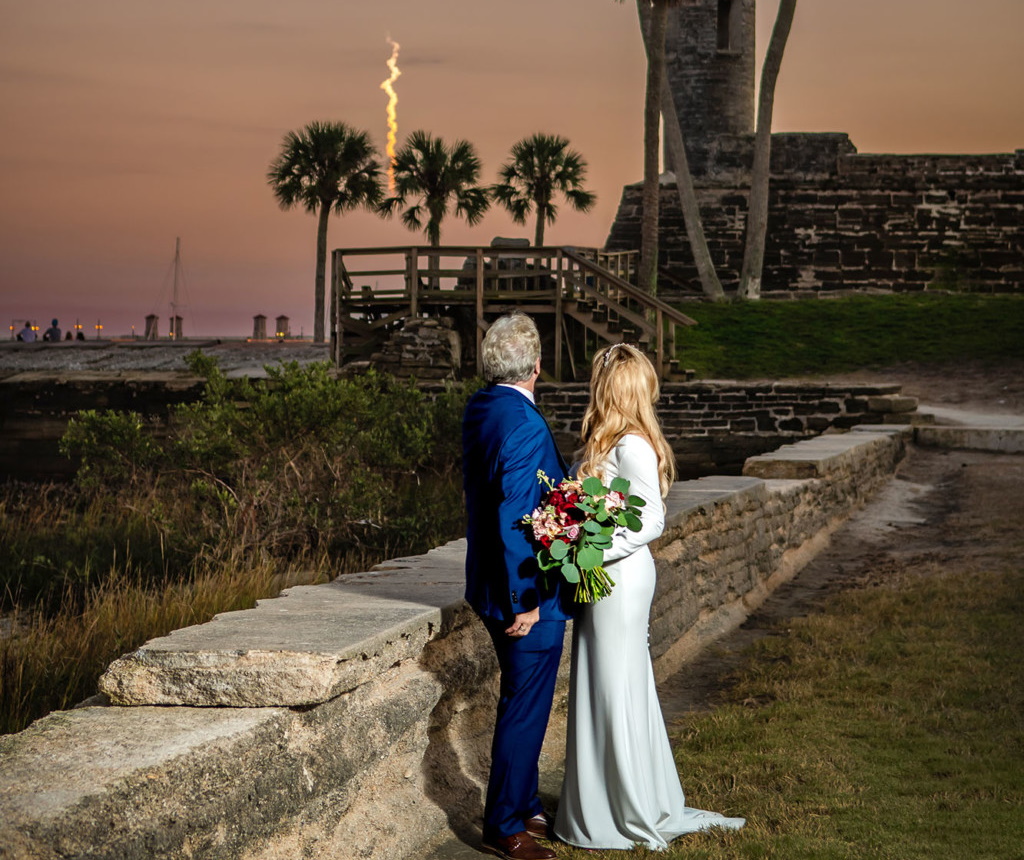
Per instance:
{"type": "Point", "coordinates": [389, 87]}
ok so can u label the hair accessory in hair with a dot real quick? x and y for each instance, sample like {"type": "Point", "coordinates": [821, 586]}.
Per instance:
{"type": "Point", "coordinates": [608, 354]}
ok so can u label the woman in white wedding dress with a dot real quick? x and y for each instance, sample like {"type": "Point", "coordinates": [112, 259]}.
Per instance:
{"type": "Point", "coordinates": [621, 786]}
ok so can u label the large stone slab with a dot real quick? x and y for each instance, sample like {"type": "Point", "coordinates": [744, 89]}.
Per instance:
{"type": "Point", "coordinates": [1006, 438]}
{"type": "Point", "coordinates": [306, 646]}
{"type": "Point", "coordinates": [819, 457]}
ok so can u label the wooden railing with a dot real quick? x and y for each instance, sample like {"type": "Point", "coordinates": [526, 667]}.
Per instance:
{"type": "Point", "coordinates": [588, 286]}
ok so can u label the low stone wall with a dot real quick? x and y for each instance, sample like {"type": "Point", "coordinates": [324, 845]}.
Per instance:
{"type": "Point", "coordinates": [35, 407]}
{"type": "Point", "coordinates": [712, 425]}
{"type": "Point", "coordinates": [715, 425]}
{"type": "Point", "coordinates": [369, 701]}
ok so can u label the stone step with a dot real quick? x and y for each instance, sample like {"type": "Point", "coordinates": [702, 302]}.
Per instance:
{"type": "Point", "coordinates": [1005, 439]}
{"type": "Point", "coordinates": [891, 403]}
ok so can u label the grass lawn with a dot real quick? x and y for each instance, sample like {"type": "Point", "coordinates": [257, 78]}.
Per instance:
{"type": "Point", "coordinates": [889, 726]}
{"type": "Point", "coordinates": [790, 338]}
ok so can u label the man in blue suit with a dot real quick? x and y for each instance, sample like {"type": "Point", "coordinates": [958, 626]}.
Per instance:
{"type": "Point", "coordinates": [505, 441]}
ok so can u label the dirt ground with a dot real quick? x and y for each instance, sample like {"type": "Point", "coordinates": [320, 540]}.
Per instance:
{"type": "Point", "coordinates": [948, 506]}
{"type": "Point", "coordinates": [945, 510]}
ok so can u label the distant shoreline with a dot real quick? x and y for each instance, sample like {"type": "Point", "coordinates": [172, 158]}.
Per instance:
{"type": "Point", "coordinates": [235, 355]}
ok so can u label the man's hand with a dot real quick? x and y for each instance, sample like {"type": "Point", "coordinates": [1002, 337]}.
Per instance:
{"type": "Point", "coordinates": [523, 623]}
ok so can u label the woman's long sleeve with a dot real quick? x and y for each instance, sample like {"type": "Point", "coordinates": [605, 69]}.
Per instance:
{"type": "Point", "coordinates": [634, 459]}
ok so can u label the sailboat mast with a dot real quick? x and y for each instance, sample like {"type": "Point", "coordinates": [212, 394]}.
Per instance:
{"type": "Point", "coordinates": [177, 270]}
{"type": "Point", "coordinates": [175, 328]}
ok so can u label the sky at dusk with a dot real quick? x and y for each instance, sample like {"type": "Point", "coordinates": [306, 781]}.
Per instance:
{"type": "Point", "coordinates": [128, 123]}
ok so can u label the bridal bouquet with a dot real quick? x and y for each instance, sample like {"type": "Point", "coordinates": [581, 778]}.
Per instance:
{"type": "Point", "coordinates": [573, 527]}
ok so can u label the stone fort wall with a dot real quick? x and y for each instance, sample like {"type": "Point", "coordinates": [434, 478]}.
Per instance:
{"type": "Point", "coordinates": [839, 220]}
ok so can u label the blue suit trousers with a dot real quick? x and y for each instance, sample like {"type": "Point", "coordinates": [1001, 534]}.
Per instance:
{"type": "Point", "coordinates": [529, 668]}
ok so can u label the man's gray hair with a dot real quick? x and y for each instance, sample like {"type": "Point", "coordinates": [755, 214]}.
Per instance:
{"type": "Point", "coordinates": [511, 348]}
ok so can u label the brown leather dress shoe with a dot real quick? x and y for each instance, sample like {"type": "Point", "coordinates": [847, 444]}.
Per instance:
{"type": "Point", "coordinates": [521, 846]}
{"type": "Point", "coordinates": [540, 826]}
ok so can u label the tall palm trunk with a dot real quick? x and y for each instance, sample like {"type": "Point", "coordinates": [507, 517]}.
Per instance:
{"type": "Point", "coordinates": [321, 271]}
{"type": "Point", "coordinates": [710, 284]}
{"type": "Point", "coordinates": [654, 38]}
{"type": "Point", "coordinates": [434, 260]}
{"type": "Point", "coordinates": [757, 208]}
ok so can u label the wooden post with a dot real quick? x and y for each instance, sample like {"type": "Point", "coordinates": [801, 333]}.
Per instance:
{"type": "Point", "coordinates": [413, 280]}
{"type": "Point", "coordinates": [558, 314]}
{"type": "Point", "coordinates": [479, 327]}
{"type": "Point", "coordinates": [659, 337]}
{"type": "Point", "coordinates": [336, 331]}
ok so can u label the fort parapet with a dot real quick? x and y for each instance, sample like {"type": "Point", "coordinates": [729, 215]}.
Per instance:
{"type": "Point", "coordinates": [841, 221]}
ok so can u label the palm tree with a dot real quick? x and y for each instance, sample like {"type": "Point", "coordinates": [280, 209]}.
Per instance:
{"type": "Point", "coordinates": [435, 176]}
{"type": "Point", "coordinates": [541, 166]}
{"type": "Point", "coordinates": [325, 167]}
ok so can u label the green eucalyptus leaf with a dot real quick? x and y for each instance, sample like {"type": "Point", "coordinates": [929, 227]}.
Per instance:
{"type": "Point", "coordinates": [559, 549]}
{"type": "Point", "coordinates": [570, 572]}
{"type": "Point", "coordinates": [619, 485]}
{"type": "Point", "coordinates": [589, 557]}
{"type": "Point", "coordinates": [592, 526]}
{"type": "Point", "coordinates": [636, 502]}
{"type": "Point", "coordinates": [587, 509]}
{"type": "Point", "coordinates": [592, 486]}
{"type": "Point", "coordinates": [633, 523]}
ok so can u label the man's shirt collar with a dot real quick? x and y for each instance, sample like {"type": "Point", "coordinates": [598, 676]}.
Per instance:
{"type": "Point", "coordinates": [526, 393]}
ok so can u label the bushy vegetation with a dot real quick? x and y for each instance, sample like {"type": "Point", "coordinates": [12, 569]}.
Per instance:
{"type": "Point", "coordinates": [772, 339]}
{"type": "Point", "coordinates": [301, 476]}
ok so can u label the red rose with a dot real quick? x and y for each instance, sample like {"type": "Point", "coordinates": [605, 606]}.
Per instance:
{"type": "Point", "coordinates": [575, 515]}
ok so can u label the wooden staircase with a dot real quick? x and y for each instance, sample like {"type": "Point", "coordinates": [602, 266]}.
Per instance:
{"type": "Point", "coordinates": [581, 299]}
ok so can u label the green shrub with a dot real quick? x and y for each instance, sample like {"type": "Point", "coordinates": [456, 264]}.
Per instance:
{"type": "Point", "coordinates": [296, 478]}
{"type": "Point", "coordinates": [301, 466]}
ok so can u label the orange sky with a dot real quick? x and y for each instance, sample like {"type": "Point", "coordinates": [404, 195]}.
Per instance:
{"type": "Point", "coordinates": [128, 123]}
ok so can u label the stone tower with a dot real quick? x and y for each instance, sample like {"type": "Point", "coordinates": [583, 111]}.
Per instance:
{"type": "Point", "coordinates": [710, 61]}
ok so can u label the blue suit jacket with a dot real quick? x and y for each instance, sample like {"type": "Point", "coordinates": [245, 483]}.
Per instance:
{"type": "Point", "coordinates": [505, 440]}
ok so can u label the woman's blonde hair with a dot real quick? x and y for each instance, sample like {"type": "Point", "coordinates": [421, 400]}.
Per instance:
{"type": "Point", "coordinates": [623, 392]}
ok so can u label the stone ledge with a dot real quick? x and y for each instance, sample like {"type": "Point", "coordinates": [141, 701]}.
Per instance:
{"type": "Point", "coordinates": [891, 403]}
{"type": "Point", "coordinates": [1006, 439]}
{"type": "Point", "coordinates": [686, 497]}
{"type": "Point", "coordinates": [309, 645]}
{"type": "Point", "coordinates": [904, 430]}
{"type": "Point", "coordinates": [819, 457]}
